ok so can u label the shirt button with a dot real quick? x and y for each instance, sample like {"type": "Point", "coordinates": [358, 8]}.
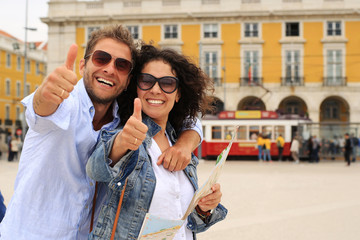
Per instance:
{"type": "Point", "coordinates": [91, 184]}
{"type": "Point", "coordinates": [86, 206]}
{"type": "Point", "coordinates": [119, 184]}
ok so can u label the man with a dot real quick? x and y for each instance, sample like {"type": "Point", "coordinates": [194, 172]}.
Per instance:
{"type": "Point", "coordinates": [280, 145]}
{"type": "Point", "coordinates": [347, 149]}
{"type": "Point", "coordinates": [53, 196]}
{"type": "Point", "coordinates": [354, 144]}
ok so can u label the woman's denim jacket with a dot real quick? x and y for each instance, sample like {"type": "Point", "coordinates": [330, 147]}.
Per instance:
{"type": "Point", "coordinates": [136, 168]}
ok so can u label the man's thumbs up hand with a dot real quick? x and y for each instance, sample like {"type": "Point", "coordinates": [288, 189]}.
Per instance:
{"type": "Point", "coordinates": [56, 86]}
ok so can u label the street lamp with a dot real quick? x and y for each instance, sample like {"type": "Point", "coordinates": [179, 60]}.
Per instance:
{"type": "Point", "coordinates": [25, 44]}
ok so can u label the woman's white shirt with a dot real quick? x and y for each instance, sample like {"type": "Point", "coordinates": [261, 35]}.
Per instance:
{"type": "Point", "coordinates": [172, 195]}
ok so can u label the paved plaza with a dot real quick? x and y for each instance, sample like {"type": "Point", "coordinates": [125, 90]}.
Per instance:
{"type": "Point", "coordinates": [274, 201]}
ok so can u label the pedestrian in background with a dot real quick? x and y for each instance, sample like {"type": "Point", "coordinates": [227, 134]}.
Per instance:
{"type": "Point", "coordinates": [354, 144]}
{"type": "Point", "coordinates": [347, 149]}
{"type": "Point", "coordinates": [260, 144]}
{"type": "Point", "coordinates": [8, 141]}
{"type": "Point", "coordinates": [294, 149]}
{"type": "Point", "coordinates": [15, 147]}
{"type": "Point", "coordinates": [280, 145]}
{"type": "Point", "coordinates": [267, 144]}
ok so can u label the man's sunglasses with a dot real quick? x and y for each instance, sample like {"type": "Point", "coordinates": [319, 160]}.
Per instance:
{"type": "Point", "coordinates": [167, 84]}
{"type": "Point", "coordinates": [101, 58]}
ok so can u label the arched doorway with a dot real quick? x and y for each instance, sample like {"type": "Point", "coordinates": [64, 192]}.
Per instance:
{"type": "Point", "coordinates": [293, 105]}
{"type": "Point", "coordinates": [251, 103]}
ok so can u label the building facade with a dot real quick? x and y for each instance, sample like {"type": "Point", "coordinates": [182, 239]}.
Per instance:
{"type": "Point", "coordinates": [291, 56]}
{"type": "Point", "coordinates": [12, 78]}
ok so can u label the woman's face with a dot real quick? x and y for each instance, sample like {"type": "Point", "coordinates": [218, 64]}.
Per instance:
{"type": "Point", "coordinates": [155, 102]}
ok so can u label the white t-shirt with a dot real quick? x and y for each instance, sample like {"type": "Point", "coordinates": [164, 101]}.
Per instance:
{"type": "Point", "coordinates": [172, 195]}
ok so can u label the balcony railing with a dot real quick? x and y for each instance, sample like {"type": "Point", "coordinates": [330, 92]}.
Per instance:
{"type": "Point", "coordinates": [254, 81]}
{"type": "Point", "coordinates": [334, 81]}
{"type": "Point", "coordinates": [292, 81]}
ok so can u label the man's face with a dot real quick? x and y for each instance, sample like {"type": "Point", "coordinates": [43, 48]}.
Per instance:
{"type": "Point", "coordinates": [104, 83]}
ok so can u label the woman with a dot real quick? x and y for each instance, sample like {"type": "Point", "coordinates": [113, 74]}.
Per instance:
{"type": "Point", "coordinates": [294, 149]}
{"type": "Point", "coordinates": [171, 91]}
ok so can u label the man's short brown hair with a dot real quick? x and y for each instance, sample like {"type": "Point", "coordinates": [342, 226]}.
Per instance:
{"type": "Point", "coordinates": [116, 32]}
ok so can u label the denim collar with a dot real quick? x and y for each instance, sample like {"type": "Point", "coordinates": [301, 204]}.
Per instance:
{"type": "Point", "coordinates": [154, 128]}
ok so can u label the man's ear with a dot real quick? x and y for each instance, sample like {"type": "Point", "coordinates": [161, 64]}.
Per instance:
{"type": "Point", "coordinates": [82, 67]}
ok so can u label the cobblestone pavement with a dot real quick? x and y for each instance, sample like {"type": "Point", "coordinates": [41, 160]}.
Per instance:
{"type": "Point", "coordinates": [274, 201]}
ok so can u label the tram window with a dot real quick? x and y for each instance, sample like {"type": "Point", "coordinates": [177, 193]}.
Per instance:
{"type": "Point", "coordinates": [253, 132]}
{"type": "Point", "coordinates": [216, 132]}
{"type": "Point", "coordinates": [228, 132]}
{"type": "Point", "coordinates": [267, 131]}
{"type": "Point", "coordinates": [279, 130]}
{"type": "Point", "coordinates": [241, 133]}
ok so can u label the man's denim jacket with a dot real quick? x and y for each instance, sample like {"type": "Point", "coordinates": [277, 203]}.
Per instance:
{"type": "Point", "coordinates": [136, 168]}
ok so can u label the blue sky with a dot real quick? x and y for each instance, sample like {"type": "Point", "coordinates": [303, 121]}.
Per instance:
{"type": "Point", "coordinates": [12, 18]}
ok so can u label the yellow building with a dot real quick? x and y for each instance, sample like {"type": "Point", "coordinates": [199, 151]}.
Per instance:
{"type": "Point", "coordinates": [12, 78]}
{"type": "Point", "coordinates": [291, 56]}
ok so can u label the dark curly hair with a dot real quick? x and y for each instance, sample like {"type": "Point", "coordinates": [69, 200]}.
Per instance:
{"type": "Point", "coordinates": [195, 87]}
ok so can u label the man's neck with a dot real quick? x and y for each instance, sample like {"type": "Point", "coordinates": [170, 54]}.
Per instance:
{"type": "Point", "coordinates": [103, 115]}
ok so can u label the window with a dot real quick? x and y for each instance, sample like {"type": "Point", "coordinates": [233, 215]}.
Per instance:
{"type": "Point", "coordinates": [292, 67]}
{"type": "Point", "coordinates": [7, 112]}
{"type": "Point", "coordinates": [292, 29]}
{"type": "Point", "coordinates": [28, 70]}
{"type": "Point", "coordinates": [37, 66]}
{"type": "Point", "coordinates": [216, 132]}
{"type": "Point", "coordinates": [251, 66]}
{"type": "Point", "coordinates": [334, 28]}
{"type": "Point", "coordinates": [17, 113]}
{"type": "Point", "coordinates": [8, 60]}
{"type": "Point", "coordinates": [292, 107]}
{"type": "Point", "coordinates": [334, 65]}
{"type": "Point", "coordinates": [171, 31]}
{"type": "Point", "coordinates": [211, 66]}
{"type": "Point", "coordinates": [18, 63]}
{"type": "Point", "coordinates": [134, 30]}
{"type": "Point", "coordinates": [279, 130]}
{"type": "Point", "coordinates": [241, 133]}
{"type": "Point", "coordinates": [253, 131]}
{"type": "Point", "coordinates": [211, 30]}
{"type": "Point", "coordinates": [251, 30]}
{"type": "Point", "coordinates": [332, 110]}
{"type": "Point", "coordinates": [7, 87]}
{"type": "Point", "coordinates": [267, 131]}
{"type": "Point", "coordinates": [18, 88]}
{"type": "Point", "coordinates": [27, 89]}
{"type": "Point", "coordinates": [228, 132]}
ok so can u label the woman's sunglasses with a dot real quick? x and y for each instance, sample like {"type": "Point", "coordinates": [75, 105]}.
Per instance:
{"type": "Point", "coordinates": [101, 58]}
{"type": "Point", "coordinates": [167, 84]}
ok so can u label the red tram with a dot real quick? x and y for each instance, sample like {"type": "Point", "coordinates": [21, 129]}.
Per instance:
{"type": "Point", "coordinates": [219, 129]}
